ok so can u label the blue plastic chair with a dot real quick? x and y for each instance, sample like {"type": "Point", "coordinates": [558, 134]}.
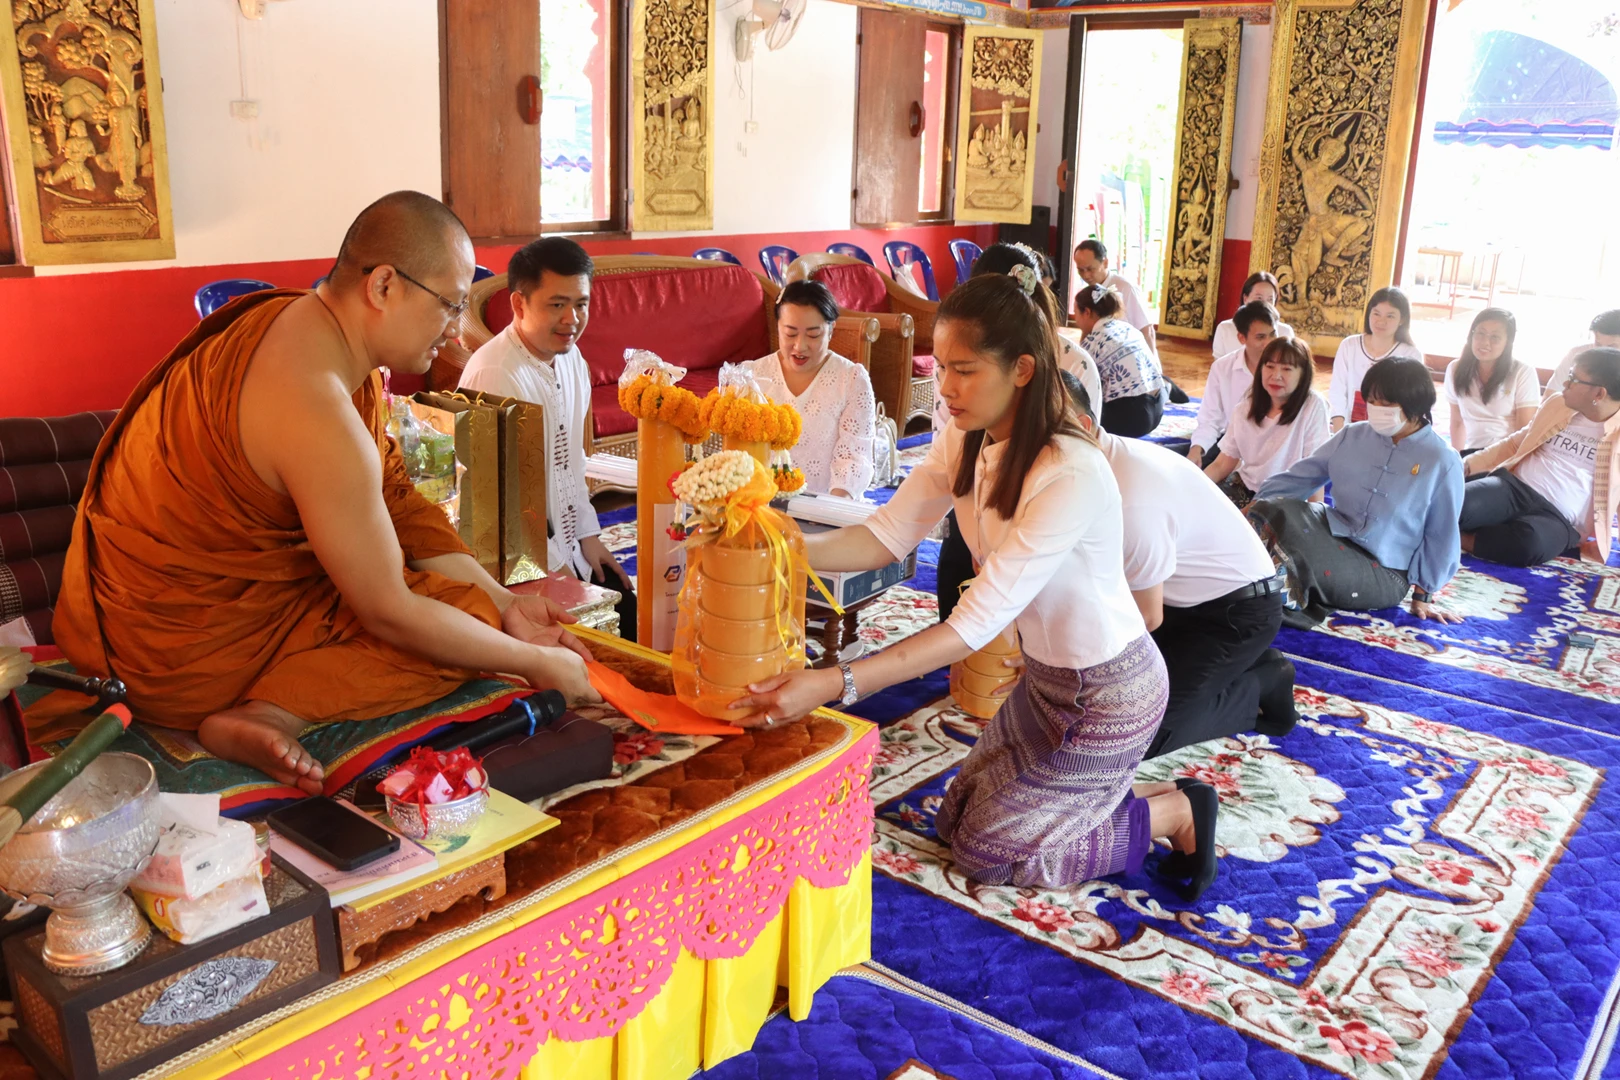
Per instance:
{"type": "Point", "coordinates": [775, 259]}
{"type": "Point", "coordinates": [482, 272]}
{"type": "Point", "coordinates": [901, 254]}
{"type": "Point", "coordinates": [717, 255]}
{"type": "Point", "coordinates": [216, 294]}
{"type": "Point", "coordinates": [851, 251]}
{"type": "Point", "coordinates": [966, 253]}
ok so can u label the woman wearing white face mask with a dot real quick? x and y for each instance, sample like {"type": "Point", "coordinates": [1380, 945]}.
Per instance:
{"type": "Point", "coordinates": [1397, 493]}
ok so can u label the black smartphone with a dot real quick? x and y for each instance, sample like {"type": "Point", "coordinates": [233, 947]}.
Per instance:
{"type": "Point", "coordinates": [333, 833]}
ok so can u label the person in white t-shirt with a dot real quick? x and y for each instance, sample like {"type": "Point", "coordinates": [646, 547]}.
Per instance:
{"type": "Point", "coordinates": [1260, 285]}
{"type": "Point", "coordinates": [1279, 421]}
{"type": "Point", "coordinates": [1386, 332]}
{"type": "Point", "coordinates": [1046, 795]}
{"type": "Point", "coordinates": [1230, 378]}
{"type": "Point", "coordinates": [1492, 394]}
{"type": "Point", "coordinates": [1605, 330]}
{"type": "Point", "coordinates": [536, 359]}
{"type": "Point", "coordinates": [1207, 591]}
{"type": "Point", "coordinates": [832, 394]}
{"type": "Point", "coordinates": [1533, 496]}
{"type": "Point", "coordinates": [1091, 263]}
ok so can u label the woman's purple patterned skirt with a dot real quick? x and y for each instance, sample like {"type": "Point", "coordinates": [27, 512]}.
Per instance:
{"type": "Point", "coordinates": [1044, 797]}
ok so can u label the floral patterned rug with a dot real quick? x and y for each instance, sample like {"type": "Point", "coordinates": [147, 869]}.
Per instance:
{"type": "Point", "coordinates": [1419, 881]}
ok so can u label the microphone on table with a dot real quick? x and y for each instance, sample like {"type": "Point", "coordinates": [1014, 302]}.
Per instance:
{"type": "Point", "coordinates": [523, 717]}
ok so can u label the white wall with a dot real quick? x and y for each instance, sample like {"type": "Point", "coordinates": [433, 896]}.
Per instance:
{"type": "Point", "coordinates": [794, 173]}
{"type": "Point", "coordinates": [348, 95]}
{"type": "Point", "coordinates": [1248, 128]}
{"type": "Point", "coordinates": [1049, 140]}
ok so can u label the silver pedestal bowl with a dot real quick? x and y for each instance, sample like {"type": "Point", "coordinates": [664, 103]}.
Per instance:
{"type": "Point", "coordinates": [76, 855]}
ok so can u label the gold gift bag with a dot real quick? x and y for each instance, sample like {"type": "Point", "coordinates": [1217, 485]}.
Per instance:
{"type": "Point", "coordinates": [524, 453]}
{"type": "Point", "coordinates": [477, 433]}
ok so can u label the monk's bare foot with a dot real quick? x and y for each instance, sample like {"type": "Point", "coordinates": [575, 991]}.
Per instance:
{"type": "Point", "coordinates": [265, 737]}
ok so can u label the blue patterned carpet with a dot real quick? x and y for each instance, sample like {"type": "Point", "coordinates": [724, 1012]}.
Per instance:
{"type": "Point", "coordinates": [1422, 880]}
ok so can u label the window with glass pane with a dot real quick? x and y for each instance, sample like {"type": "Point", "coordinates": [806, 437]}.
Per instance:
{"type": "Point", "coordinates": [577, 124]}
{"type": "Point", "coordinates": [933, 180]}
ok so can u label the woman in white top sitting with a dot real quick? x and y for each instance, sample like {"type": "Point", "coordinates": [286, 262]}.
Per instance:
{"type": "Point", "coordinates": [1133, 389]}
{"type": "Point", "coordinates": [1045, 797]}
{"type": "Point", "coordinates": [834, 395]}
{"type": "Point", "coordinates": [1386, 332]}
{"type": "Point", "coordinates": [1260, 285]}
{"type": "Point", "coordinates": [1492, 395]}
{"type": "Point", "coordinates": [1279, 421]}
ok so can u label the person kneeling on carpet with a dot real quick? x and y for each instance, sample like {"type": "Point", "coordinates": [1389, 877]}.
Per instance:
{"type": "Point", "coordinates": [1208, 593]}
{"type": "Point", "coordinates": [1530, 497]}
{"type": "Point", "coordinates": [1045, 796]}
{"type": "Point", "coordinates": [1397, 490]}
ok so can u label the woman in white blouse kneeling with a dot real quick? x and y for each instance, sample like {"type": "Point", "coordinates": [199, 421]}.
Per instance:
{"type": "Point", "coordinates": [1045, 797]}
{"type": "Point", "coordinates": [832, 394]}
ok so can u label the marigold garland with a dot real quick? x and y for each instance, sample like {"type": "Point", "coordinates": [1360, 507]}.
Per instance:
{"type": "Point", "coordinates": [645, 399]}
{"type": "Point", "coordinates": [738, 418]}
{"type": "Point", "coordinates": [787, 477]}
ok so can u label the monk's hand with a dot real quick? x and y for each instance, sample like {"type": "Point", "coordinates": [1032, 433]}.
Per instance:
{"type": "Point", "coordinates": [528, 614]}
{"type": "Point", "coordinates": [789, 696]}
{"type": "Point", "coordinates": [564, 670]}
{"type": "Point", "coordinates": [605, 569]}
{"type": "Point", "coordinates": [14, 665]}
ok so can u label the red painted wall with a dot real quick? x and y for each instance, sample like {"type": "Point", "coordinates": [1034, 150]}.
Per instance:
{"type": "Point", "coordinates": [1234, 271]}
{"type": "Point", "coordinates": [81, 341]}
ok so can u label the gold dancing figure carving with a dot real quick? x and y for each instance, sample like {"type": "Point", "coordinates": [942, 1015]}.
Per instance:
{"type": "Point", "coordinates": [1333, 160]}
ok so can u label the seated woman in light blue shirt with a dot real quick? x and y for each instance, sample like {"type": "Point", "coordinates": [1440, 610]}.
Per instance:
{"type": "Point", "coordinates": [1397, 492]}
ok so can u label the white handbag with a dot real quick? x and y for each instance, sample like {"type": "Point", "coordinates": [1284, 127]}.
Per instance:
{"type": "Point", "coordinates": [885, 450]}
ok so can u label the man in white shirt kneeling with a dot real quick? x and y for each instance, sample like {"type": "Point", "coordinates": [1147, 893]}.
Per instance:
{"type": "Point", "coordinates": [1208, 592]}
{"type": "Point", "coordinates": [536, 359]}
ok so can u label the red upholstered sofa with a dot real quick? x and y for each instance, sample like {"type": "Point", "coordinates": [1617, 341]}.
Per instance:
{"type": "Point", "coordinates": [694, 313]}
{"type": "Point", "coordinates": [43, 467]}
{"type": "Point", "coordinates": [903, 356]}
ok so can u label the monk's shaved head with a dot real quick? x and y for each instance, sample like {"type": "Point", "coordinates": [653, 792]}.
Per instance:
{"type": "Point", "coordinates": [406, 230]}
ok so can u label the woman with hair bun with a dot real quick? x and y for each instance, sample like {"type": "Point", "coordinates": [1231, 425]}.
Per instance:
{"type": "Point", "coordinates": [1132, 382]}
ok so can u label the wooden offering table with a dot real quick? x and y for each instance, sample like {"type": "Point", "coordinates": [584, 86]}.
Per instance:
{"type": "Point", "coordinates": [643, 938]}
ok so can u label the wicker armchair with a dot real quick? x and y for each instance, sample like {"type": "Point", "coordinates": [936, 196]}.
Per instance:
{"type": "Point", "coordinates": [907, 317]}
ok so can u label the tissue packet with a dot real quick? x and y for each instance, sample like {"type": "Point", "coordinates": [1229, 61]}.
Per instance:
{"type": "Point", "coordinates": [189, 920]}
{"type": "Point", "coordinates": [191, 862]}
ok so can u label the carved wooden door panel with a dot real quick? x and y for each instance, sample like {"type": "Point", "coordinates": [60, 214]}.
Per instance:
{"type": "Point", "coordinates": [1192, 268]}
{"type": "Point", "coordinates": [83, 104]}
{"type": "Point", "coordinates": [995, 127]}
{"type": "Point", "coordinates": [671, 114]}
{"type": "Point", "coordinates": [1333, 161]}
{"type": "Point", "coordinates": [888, 119]}
{"type": "Point", "coordinates": [491, 147]}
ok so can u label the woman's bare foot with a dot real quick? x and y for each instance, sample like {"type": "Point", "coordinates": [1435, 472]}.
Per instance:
{"type": "Point", "coordinates": [265, 737]}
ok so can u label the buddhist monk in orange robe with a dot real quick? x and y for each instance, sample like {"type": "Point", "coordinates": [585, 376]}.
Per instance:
{"type": "Point", "coordinates": [250, 557]}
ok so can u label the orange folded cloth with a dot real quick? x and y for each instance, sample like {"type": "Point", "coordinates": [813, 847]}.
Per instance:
{"type": "Point", "coordinates": [656, 712]}
{"type": "Point", "coordinates": [194, 581]}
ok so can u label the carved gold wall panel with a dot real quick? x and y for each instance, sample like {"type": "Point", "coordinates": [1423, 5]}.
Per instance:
{"type": "Point", "coordinates": [995, 161]}
{"type": "Point", "coordinates": [1333, 162]}
{"type": "Point", "coordinates": [83, 106]}
{"type": "Point", "coordinates": [1192, 273]}
{"type": "Point", "coordinates": [672, 94]}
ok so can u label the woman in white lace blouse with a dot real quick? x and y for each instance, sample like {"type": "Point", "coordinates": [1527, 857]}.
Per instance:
{"type": "Point", "coordinates": [834, 395]}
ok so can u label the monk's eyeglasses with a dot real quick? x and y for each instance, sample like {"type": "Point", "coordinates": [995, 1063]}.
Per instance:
{"type": "Point", "coordinates": [456, 310]}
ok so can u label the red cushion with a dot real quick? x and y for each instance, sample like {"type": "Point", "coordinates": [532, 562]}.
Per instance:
{"type": "Point", "coordinates": [697, 318]}
{"type": "Point", "coordinates": [856, 287]}
{"type": "Point", "coordinates": [922, 366]}
{"type": "Point", "coordinates": [498, 310]}
{"type": "Point", "coordinates": [612, 420]}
